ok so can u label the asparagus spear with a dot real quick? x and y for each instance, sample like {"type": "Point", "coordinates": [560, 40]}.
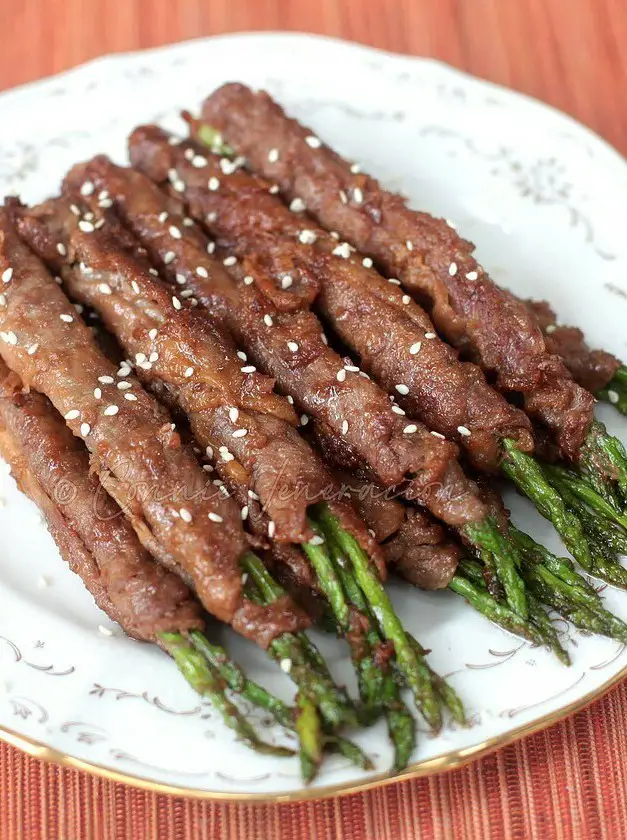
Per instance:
{"type": "Point", "coordinates": [256, 694]}
{"type": "Point", "coordinates": [206, 681]}
{"type": "Point", "coordinates": [615, 392]}
{"type": "Point", "coordinates": [401, 724]}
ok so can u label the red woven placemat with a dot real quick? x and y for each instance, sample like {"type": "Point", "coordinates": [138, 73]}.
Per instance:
{"type": "Point", "coordinates": [568, 782]}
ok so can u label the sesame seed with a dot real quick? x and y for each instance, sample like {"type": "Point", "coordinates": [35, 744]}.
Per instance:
{"type": "Point", "coordinates": [355, 168]}
{"type": "Point", "coordinates": [124, 385]}
{"type": "Point", "coordinates": [201, 271]}
{"type": "Point", "coordinates": [7, 274]}
{"type": "Point", "coordinates": [198, 161]}
{"type": "Point", "coordinates": [153, 333]}
{"type": "Point", "coordinates": [241, 355]}
{"type": "Point", "coordinates": [229, 260]}
{"type": "Point", "coordinates": [292, 345]}
{"type": "Point", "coordinates": [430, 335]}
{"type": "Point", "coordinates": [248, 369]}
{"type": "Point", "coordinates": [307, 237]}
{"type": "Point", "coordinates": [409, 245]}
{"type": "Point", "coordinates": [86, 227]}
{"type": "Point", "coordinates": [3, 300]}
{"type": "Point", "coordinates": [207, 468]}
{"type": "Point", "coordinates": [85, 429]}
{"type": "Point", "coordinates": [344, 426]}
{"type": "Point", "coordinates": [135, 285]}
{"type": "Point", "coordinates": [187, 222]}
{"type": "Point", "coordinates": [174, 232]}
{"type": "Point", "coordinates": [140, 357]}
{"type": "Point", "coordinates": [75, 210]}
{"type": "Point", "coordinates": [358, 195]}
{"type": "Point", "coordinates": [297, 205]}
{"type": "Point", "coordinates": [104, 630]}
{"type": "Point", "coordinates": [163, 216]}
{"type": "Point", "coordinates": [366, 262]}
{"type": "Point", "coordinates": [176, 303]}
{"type": "Point", "coordinates": [74, 414]}
{"type": "Point", "coordinates": [451, 224]}
{"type": "Point", "coordinates": [212, 217]}
{"type": "Point", "coordinates": [438, 435]}
{"type": "Point", "coordinates": [187, 293]}
{"type": "Point", "coordinates": [106, 380]}
{"type": "Point", "coordinates": [185, 515]}
{"type": "Point", "coordinates": [105, 203]}
{"type": "Point", "coordinates": [238, 433]}
{"type": "Point", "coordinates": [274, 189]}
{"type": "Point", "coordinates": [169, 257]}
{"type": "Point", "coordinates": [394, 281]}
{"type": "Point", "coordinates": [227, 166]}
{"type": "Point", "coordinates": [402, 389]}
{"type": "Point", "coordinates": [211, 246]}
{"type": "Point", "coordinates": [174, 141]}
{"type": "Point", "coordinates": [398, 410]}
{"type": "Point", "coordinates": [351, 368]}
{"type": "Point", "coordinates": [244, 512]}
{"type": "Point", "coordinates": [98, 393]}
{"type": "Point", "coordinates": [87, 188]}
{"type": "Point", "coordinates": [286, 281]}
{"type": "Point", "coordinates": [271, 528]}
{"type": "Point", "coordinates": [340, 375]}
{"type": "Point", "coordinates": [248, 280]}
{"type": "Point", "coordinates": [409, 430]}
{"type": "Point", "coordinates": [104, 289]}
{"type": "Point", "coordinates": [406, 300]}
{"type": "Point", "coordinates": [290, 399]}
{"type": "Point", "coordinates": [188, 154]}
{"type": "Point", "coordinates": [613, 397]}
{"type": "Point", "coordinates": [154, 357]}
{"type": "Point", "coordinates": [286, 665]}
{"type": "Point", "coordinates": [415, 348]}
{"type": "Point", "coordinates": [178, 185]}
{"type": "Point", "coordinates": [67, 319]}
{"type": "Point", "coordinates": [33, 349]}
{"type": "Point", "coordinates": [316, 540]}
{"type": "Point", "coordinates": [213, 183]}
{"type": "Point", "coordinates": [343, 250]}
{"type": "Point", "coordinates": [189, 372]}
{"type": "Point", "coordinates": [209, 452]}
{"type": "Point", "coordinates": [125, 370]}
{"type": "Point", "coordinates": [215, 517]}
{"type": "Point", "coordinates": [253, 495]}
{"type": "Point", "coordinates": [273, 155]}
{"type": "Point", "coordinates": [343, 197]}
{"type": "Point", "coordinates": [463, 431]}
{"type": "Point", "coordinates": [304, 419]}
{"type": "Point", "coordinates": [551, 328]}
{"type": "Point", "coordinates": [312, 141]}
{"type": "Point", "coordinates": [267, 319]}
{"type": "Point", "coordinates": [472, 275]}
{"type": "Point", "coordinates": [61, 249]}
{"type": "Point", "coordinates": [9, 338]}
{"type": "Point", "coordinates": [452, 269]}
{"type": "Point", "coordinates": [233, 415]}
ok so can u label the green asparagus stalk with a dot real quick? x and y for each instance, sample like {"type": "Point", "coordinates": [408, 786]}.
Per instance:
{"type": "Point", "coordinates": [206, 681]}
{"type": "Point", "coordinates": [615, 392]}
{"type": "Point", "coordinates": [256, 694]}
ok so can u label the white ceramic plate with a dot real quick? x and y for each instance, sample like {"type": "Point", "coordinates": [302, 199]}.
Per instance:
{"type": "Point", "coordinates": [545, 201]}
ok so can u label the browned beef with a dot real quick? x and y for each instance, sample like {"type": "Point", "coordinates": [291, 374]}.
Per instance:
{"type": "Point", "coordinates": [416, 547]}
{"type": "Point", "coordinates": [233, 412]}
{"type": "Point", "coordinates": [373, 316]}
{"type": "Point", "coordinates": [348, 407]}
{"type": "Point", "coordinates": [139, 457]}
{"type": "Point", "coordinates": [592, 369]}
{"type": "Point", "coordinates": [425, 253]}
{"type": "Point", "coordinates": [52, 468]}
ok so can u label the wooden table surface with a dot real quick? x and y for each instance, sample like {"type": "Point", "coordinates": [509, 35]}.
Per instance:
{"type": "Point", "coordinates": [569, 53]}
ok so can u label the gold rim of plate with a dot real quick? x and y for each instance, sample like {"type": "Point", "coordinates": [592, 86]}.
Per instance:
{"type": "Point", "coordinates": [438, 764]}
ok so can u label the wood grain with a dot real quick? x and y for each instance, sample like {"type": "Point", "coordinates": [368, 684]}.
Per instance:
{"type": "Point", "coordinates": [567, 52]}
